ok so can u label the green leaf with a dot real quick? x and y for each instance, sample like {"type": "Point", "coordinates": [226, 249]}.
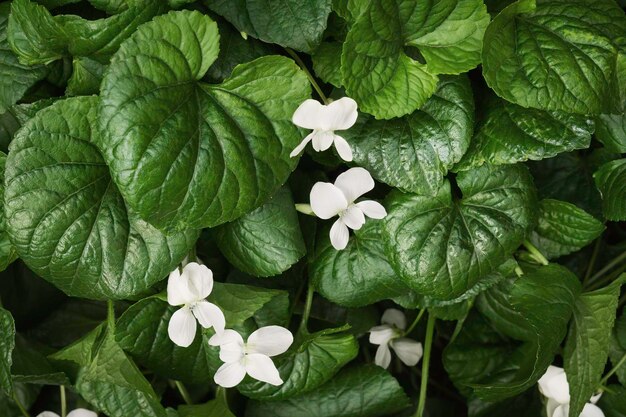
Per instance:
{"type": "Point", "coordinates": [86, 77]}
{"type": "Point", "coordinates": [327, 62]}
{"type": "Point", "coordinates": [189, 154]}
{"type": "Point", "coordinates": [378, 71]}
{"type": "Point", "coordinates": [66, 218]}
{"type": "Point", "coordinates": [30, 365]}
{"type": "Point", "coordinates": [214, 408]}
{"type": "Point", "coordinates": [241, 302]}
{"type": "Point", "coordinates": [587, 346]}
{"type": "Point", "coordinates": [611, 131]}
{"type": "Point", "coordinates": [563, 228]}
{"type": "Point", "coordinates": [8, 253]}
{"type": "Point", "coordinates": [16, 78]}
{"type": "Point", "coordinates": [557, 55]}
{"type": "Point", "coordinates": [415, 152]}
{"type": "Point", "coordinates": [7, 344]}
{"type": "Point", "coordinates": [611, 181]}
{"type": "Point", "coordinates": [442, 246]}
{"type": "Point", "coordinates": [289, 23]}
{"type": "Point", "coordinates": [617, 348]}
{"type": "Point", "coordinates": [363, 391]}
{"type": "Point", "coordinates": [38, 37]}
{"type": "Point", "coordinates": [511, 133]}
{"type": "Point", "coordinates": [266, 241]}
{"type": "Point", "coordinates": [312, 361]}
{"type": "Point", "coordinates": [613, 402]}
{"type": "Point", "coordinates": [358, 275]}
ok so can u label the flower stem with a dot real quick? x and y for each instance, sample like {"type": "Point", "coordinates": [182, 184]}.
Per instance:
{"type": "Point", "coordinates": [592, 262]}
{"type": "Point", "coordinates": [308, 74]}
{"type": "Point", "coordinates": [613, 370]}
{"type": "Point", "coordinates": [183, 392]}
{"type": "Point", "coordinates": [63, 401]}
{"type": "Point", "coordinates": [616, 261]}
{"type": "Point", "coordinates": [417, 319]}
{"type": "Point", "coordinates": [111, 315]}
{"type": "Point", "coordinates": [430, 330]}
{"type": "Point", "coordinates": [307, 308]}
{"type": "Point", "coordinates": [20, 406]}
{"type": "Point", "coordinates": [535, 253]}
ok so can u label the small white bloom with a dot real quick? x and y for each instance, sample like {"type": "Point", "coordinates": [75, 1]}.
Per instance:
{"type": "Point", "coordinates": [79, 412]}
{"type": "Point", "coordinates": [554, 386]}
{"type": "Point", "coordinates": [389, 334]}
{"type": "Point", "coordinates": [329, 200]}
{"type": "Point", "coordinates": [190, 289]}
{"type": "Point", "coordinates": [324, 120]}
{"type": "Point", "coordinates": [251, 357]}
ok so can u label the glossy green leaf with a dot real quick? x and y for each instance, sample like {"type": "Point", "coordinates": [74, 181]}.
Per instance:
{"type": "Point", "coordinates": [241, 302]}
{"type": "Point", "coordinates": [358, 275]}
{"type": "Point", "coordinates": [266, 241]}
{"type": "Point", "coordinates": [86, 77]}
{"type": "Point", "coordinates": [214, 408]}
{"type": "Point", "coordinates": [363, 391]}
{"type": "Point", "coordinates": [617, 348]}
{"type": "Point", "coordinates": [611, 131]}
{"type": "Point", "coordinates": [38, 37]}
{"type": "Point", "coordinates": [611, 181]}
{"type": "Point", "coordinates": [381, 74]}
{"type": "Point", "coordinates": [312, 361]}
{"type": "Point", "coordinates": [587, 346]}
{"type": "Point", "coordinates": [8, 254]}
{"type": "Point", "coordinates": [613, 403]}
{"type": "Point", "coordinates": [511, 133]}
{"type": "Point", "coordinates": [189, 154]}
{"type": "Point", "coordinates": [563, 228]}
{"type": "Point", "coordinates": [415, 152]}
{"type": "Point", "coordinates": [15, 78]}
{"type": "Point", "coordinates": [557, 55]}
{"type": "Point", "coordinates": [30, 364]}
{"type": "Point", "coordinates": [66, 218]}
{"type": "Point", "coordinates": [7, 343]}
{"type": "Point", "coordinates": [327, 62]}
{"type": "Point", "coordinates": [289, 23]}
{"type": "Point", "coordinates": [443, 245]}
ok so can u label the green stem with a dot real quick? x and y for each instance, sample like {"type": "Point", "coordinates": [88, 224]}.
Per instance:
{"type": "Point", "coordinates": [20, 406]}
{"type": "Point", "coordinates": [616, 261]}
{"type": "Point", "coordinates": [111, 314]}
{"type": "Point", "coordinates": [612, 371]}
{"type": "Point", "coordinates": [417, 319]}
{"type": "Point", "coordinates": [63, 401]}
{"type": "Point", "coordinates": [592, 262]}
{"type": "Point", "coordinates": [308, 74]}
{"type": "Point", "coordinates": [183, 392]}
{"type": "Point", "coordinates": [535, 253]}
{"type": "Point", "coordinates": [430, 330]}
{"type": "Point", "coordinates": [307, 308]}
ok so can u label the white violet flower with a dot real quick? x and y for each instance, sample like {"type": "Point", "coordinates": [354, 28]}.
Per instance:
{"type": "Point", "coordinates": [79, 412]}
{"type": "Point", "coordinates": [251, 357]}
{"type": "Point", "coordinates": [390, 334]}
{"type": "Point", "coordinates": [190, 289]}
{"type": "Point", "coordinates": [324, 120]}
{"type": "Point", "coordinates": [338, 199]}
{"type": "Point", "coordinates": [554, 386]}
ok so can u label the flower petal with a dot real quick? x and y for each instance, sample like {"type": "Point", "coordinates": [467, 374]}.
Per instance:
{"type": "Point", "coordinates": [261, 367]}
{"type": "Point", "coordinates": [353, 217]}
{"type": "Point", "coordinates": [553, 384]}
{"type": "Point", "coordinates": [182, 327]}
{"type": "Point", "coordinates": [591, 410]}
{"type": "Point", "coordinates": [230, 374]}
{"type": "Point", "coordinates": [309, 114]}
{"type": "Point", "coordinates": [343, 148]}
{"type": "Point", "coordinates": [302, 145]}
{"type": "Point", "coordinates": [551, 406]}
{"type": "Point", "coordinates": [269, 340]}
{"type": "Point", "coordinates": [380, 335]}
{"type": "Point", "coordinates": [81, 412]}
{"type": "Point", "coordinates": [339, 235]}
{"type": "Point", "coordinates": [562, 410]}
{"type": "Point", "coordinates": [394, 317]}
{"type": "Point", "coordinates": [178, 289]}
{"type": "Point", "coordinates": [228, 336]}
{"type": "Point", "coordinates": [47, 414]}
{"type": "Point", "coordinates": [327, 200]}
{"type": "Point", "coordinates": [354, 183]}
{"type": "Point", "coordinates": [322, 140]}
{"type": "Point", "coordinates": [383, 356]}
{"type": "Point", "coordinates": [372, 209]}
{"type": "Point", "coordinates": [209, 315]}
{"type": "Point", "coordinates": [200, 280]}
{"type": "Point", "coordinates": [340, 114]}
{"type": "Point", "coordinates": [409, 351]}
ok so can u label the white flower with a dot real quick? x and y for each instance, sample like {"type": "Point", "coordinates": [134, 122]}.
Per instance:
{"type": "Point", "coordinates": [252, 357]}
{"type": "Point", "coordinates": [79, 412]}
{"type": "Point", "coordinates": [389, 334]}
{"type": "Point", "coordinates": [554, 386]}
{"type": "Point", "coordinates": [329, 200]}
{"type": "Point", "coordinates": [324, 120]}
{"type": "Point", "coordinates": [190, 289]}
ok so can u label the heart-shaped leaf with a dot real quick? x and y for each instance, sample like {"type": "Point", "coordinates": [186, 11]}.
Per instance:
{"type": "Point", "coordinates": [443, 245]}
{"type": "Point", "coordinates": [611, 131]}
{"type": "Point", "coordinates": [66, 218]}
{"type": "Point", "coordinates": [189, 154]}
{"type": "Point", "coordinates": [7, 343]}
{"type": "Point", "coordinates": [611, 181]}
